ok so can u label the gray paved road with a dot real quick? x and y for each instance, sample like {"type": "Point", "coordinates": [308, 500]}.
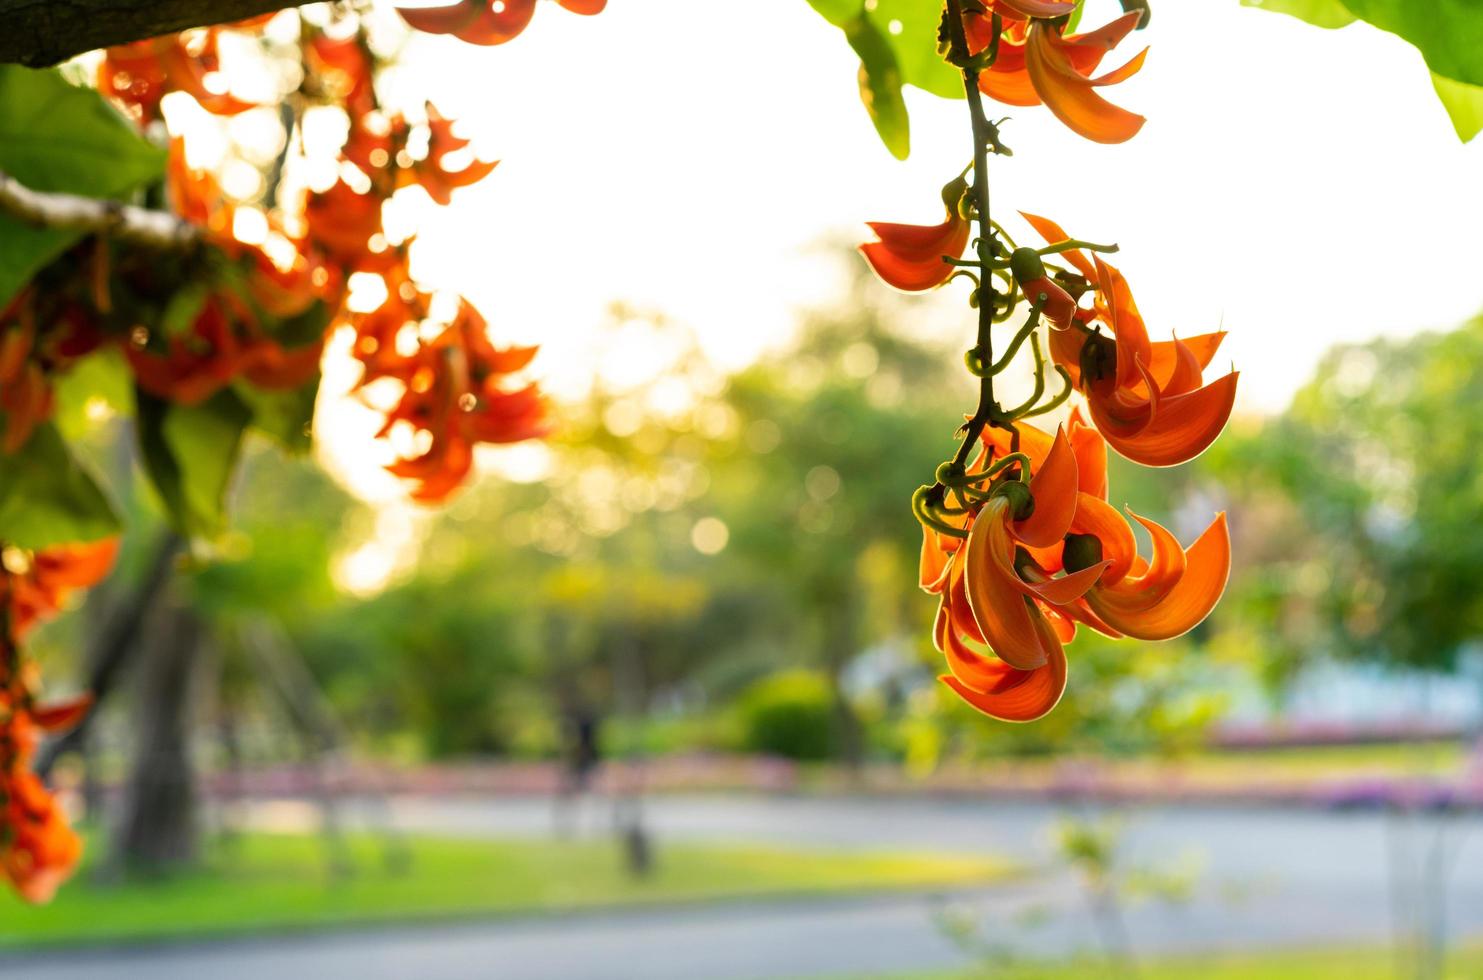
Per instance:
{"type": "Point", "coordinates": [1269, 877]}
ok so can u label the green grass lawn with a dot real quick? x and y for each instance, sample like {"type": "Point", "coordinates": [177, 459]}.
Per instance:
{"type": "Point", "coordinates": [267, 882]}
{"type": "Point", "coordinates": [1331, 964]}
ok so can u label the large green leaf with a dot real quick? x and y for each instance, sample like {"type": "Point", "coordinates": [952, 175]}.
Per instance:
{"type": "Point", "coordinates": [190, 453]}
{"type": "Point", "coordinates": [1320, 13]}
{"type": "Point", "coordinates": [1464, 104]}
{"type": "Point", "coordinates": [48, 497]}
{"type": "Point", "coordinates": [880, 85]}
{"type": "Point", "coordinates": [910, 27]}
{"type": "Point", "coordinates": [55, 136]}
{"type": "Point", "coordinates": [1448, 33]}
{"type": "Point", "coordinates": [896, 41]}
{"type": "Point", "coordinates": [285, 417]}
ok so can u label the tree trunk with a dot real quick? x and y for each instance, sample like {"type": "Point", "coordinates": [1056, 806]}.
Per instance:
{"type": "Point", "coordinates": [158, 829]}
{"type": "Point", "coordinates": [43, 32]}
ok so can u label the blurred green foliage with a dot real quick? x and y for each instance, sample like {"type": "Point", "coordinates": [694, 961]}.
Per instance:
{"type": "Point", "coordinates": [789, 715]}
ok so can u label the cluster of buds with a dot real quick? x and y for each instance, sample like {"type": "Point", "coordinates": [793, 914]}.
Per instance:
{"type": "Point", "coordinates": [1019, 540]}
{"type": "Point", "coordinates": [38, 848]}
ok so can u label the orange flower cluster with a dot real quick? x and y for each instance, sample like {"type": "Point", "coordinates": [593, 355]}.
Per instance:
{"type": "Point", "coordinates": [38, 849]}
{"type": "Point", "coordinates": [1019, 540]}
{"type": "Point", "coordinates": [1148, 399]}
{"type": "Point", "coordinates": [231, 333]}
{"type": "Point", "coordinates": [1036, 62]}
{"type": "Point", "coordinates": [1038, 561]}
{"type": "Point", "coordinates": [456, 385]}
{"type": "Point", "coordinates": [140, 74]}
{"type": "Point", "coordinates": [487, 21]}
{"type": "Point", "coordinates": [455, 392]}
{"type": "Point", "coordinates": [39, 336]}
{"type": "Point", "coordinates": [456, 389]}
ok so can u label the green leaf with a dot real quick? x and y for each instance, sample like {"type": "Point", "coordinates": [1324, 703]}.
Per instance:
{"type": "Point", "coordinates": [182, 309]}
{"type": "Point", "coordinates": [286, 417]}
{"type": "Point", "coordinates": [910, 28]}
{"type": "Point", "coordinates": [837, 12]}
{"type": "Point", "coordinates": [1449, 33]}
{"type": "Point", "coordinates": [48, 497]}
{"type": "Point", "coordinates": [1320, 13]}
{"type": "Point", "coordinates": [880, 85]}
{"type": "Point", "coordinates": [58, 137]}
{"type": "Point", "coordinates": [190, 453]}
{"type": "Point", "coordinates": [1464, 104]}
{"type": "Point", "coordinates": [101, 378]}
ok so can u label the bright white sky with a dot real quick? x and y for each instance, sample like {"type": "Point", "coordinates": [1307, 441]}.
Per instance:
{"type": "Point", "coordinates": [1281, 166]}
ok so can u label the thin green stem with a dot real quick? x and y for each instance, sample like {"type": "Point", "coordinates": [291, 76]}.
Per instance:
{"type": "Point", "coordinates": [988, 408]}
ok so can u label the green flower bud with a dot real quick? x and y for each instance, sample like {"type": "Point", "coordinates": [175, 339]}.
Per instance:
{"type": "Point", "coordinates": [1081, 551]}
{"type": "Point", "coordinates": [1026, 265]}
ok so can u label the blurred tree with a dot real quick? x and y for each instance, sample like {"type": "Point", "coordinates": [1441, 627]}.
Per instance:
{"type": "Point", "coordinates": [1373, 543]}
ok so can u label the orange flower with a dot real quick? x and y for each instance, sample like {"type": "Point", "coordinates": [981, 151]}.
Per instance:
{"type": "Point", "coordinates": [1157, 598]}
{"type": "Point", "coordinates": [38, 849]}
{"type": "Point", "coordinates": [914, 257]}
{"type": "Point", "coordinates": [455, 392]}
{"type": "Point", "coordinates": [190, 369]}
{"type": "Point", "coordinates": [342, 223]}
{"type": "Point", "coordinates": [38, 583]}
{"type": "Point", "coordinates": [141, 73]}
{"type": "Point", "coordinates": [1148, 399]}
{"type": "Point", "coordinates": [378, 147]}
{"type": "Point", "coordinates": [993, 594]}
{"type": "Point", "coordinates": [435, 178]}
{"type": "Point", "coordinates": [1036, 63]}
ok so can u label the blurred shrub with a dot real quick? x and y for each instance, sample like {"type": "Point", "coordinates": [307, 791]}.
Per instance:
{"type": "Point", "coordinates": [790, 715]}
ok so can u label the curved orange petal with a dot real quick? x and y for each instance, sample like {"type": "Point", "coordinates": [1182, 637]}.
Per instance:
{"type": "Point", "coordinates": [1133, 346]}
{"type": "Point", "coordinates": [1069, 588]}
{"type": "Point", "coordinates": [1009, 87]}
{"type": "Point", "coordinates": [1164, 570]}
{"type": "Point", "coordinates": [1035, 442]}
{"type": "Point", "coordinates": [1074, 102]}
{"type": "Point", "coordinates": [1182, 427]}
{"type": "Point", "coordinates": [910, 257]}
{"type": "Point", "coordinates": [1053, 487]}
{"type": "Point", "coordinates": [1047, 9]}
{"type": "Point", "coordinates": [441, 20]}
{"type": "Point", "coordinates": [1091, 455]}
{"type": "Point", "coordinates": [999, 607]}
{"type": "Point", "coordinates": [490, 26]}
{"type": "Point", "coordinates": [1054, 235]}
{"type": "Point", "coordinates": [1019, 695]}
{"type": "Point", "coordinates": [932, 569]}
{"type": "Point", "coordinates": [1164, 355]}
{"type": "Point", "coordinates": [1085, 51]}
{"type": "Point", "coordinates": [1185, 606]}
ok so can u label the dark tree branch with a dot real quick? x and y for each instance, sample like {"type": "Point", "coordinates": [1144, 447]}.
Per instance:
{"type": "Point", "coordinates": [44, 32]}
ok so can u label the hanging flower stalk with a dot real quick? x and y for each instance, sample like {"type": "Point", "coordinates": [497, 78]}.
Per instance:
{"type": "Point", "coordinates": [1019, 540]}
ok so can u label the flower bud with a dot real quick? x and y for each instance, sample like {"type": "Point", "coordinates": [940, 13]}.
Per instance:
{"type": "Point", "coordinates": [1026, 266]}
{"type": "Point", "coordinates": [1081, 551]}
{"type": "Point", "coordinates": [1021, 503]}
